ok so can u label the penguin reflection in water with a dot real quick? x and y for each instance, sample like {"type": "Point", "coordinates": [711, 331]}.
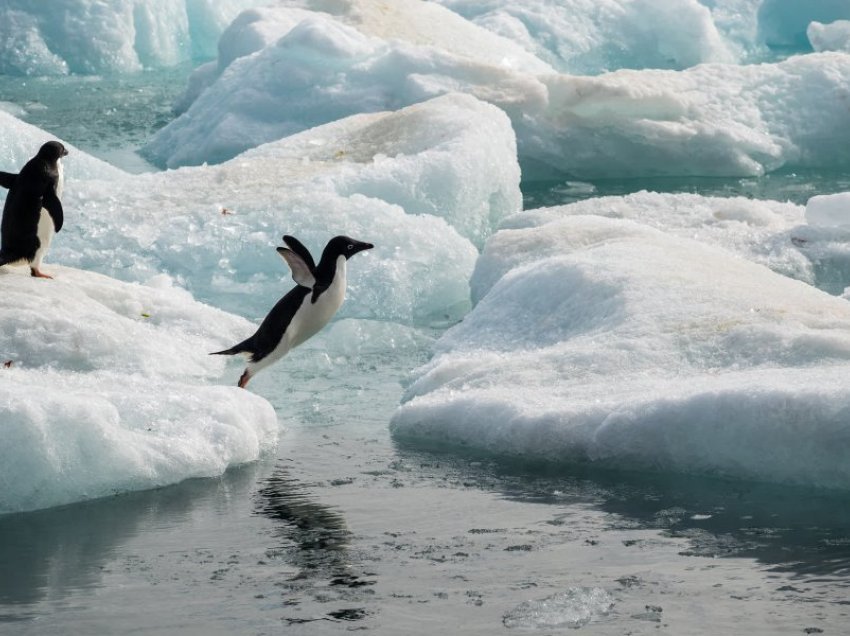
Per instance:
{"type": "Point", "coordinates": [33, 212]}
{"type": "Point", "coordinates": [307, 307]}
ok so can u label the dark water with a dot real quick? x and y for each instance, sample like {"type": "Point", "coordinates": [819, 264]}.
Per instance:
{"type": "Point", "coordinates": [794, 185]}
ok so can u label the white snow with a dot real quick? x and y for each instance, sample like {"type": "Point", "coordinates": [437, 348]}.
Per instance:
{"type": "Point", "coordinates": [110, 388]}
{"type": "Point", "coordinates": [829, 209]}
{"type": "Point", "coordinates": [610, 341]}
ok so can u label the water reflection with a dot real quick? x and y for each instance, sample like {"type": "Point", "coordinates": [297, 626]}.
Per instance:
{"type": "Point", "coordinates": [51, 554]}
{"type": "Point", "coordinates": [801, 531]}
{"type": "Point", "coordinates": [314, 538]}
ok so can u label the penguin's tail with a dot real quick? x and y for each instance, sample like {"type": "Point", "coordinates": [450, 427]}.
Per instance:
{"type": "Point", "coordinates": [242, 347]}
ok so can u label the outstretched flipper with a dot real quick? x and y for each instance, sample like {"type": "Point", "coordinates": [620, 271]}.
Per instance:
{"type": "Point", "coordinates": [298, 247]}
{"type": "Point", "coordinates": [301, 272]}
{"type": "Point", "coordinates": [7, 180]}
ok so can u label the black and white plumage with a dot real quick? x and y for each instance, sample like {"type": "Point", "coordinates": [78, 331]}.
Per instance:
{"type": "Point", "coordinates": [33, 212]}
{"type": "Point", "coordinates": [308, 306]}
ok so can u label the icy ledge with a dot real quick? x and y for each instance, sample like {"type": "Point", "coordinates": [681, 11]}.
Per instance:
{"type": "Point", "coordinates": [613, 342]}
{"type": "Point", "coordinates": [110, 389]}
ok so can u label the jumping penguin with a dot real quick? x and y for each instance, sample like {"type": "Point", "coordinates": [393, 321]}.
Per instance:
{"type": "Point", "coordinates": [308, 306]}
{"type": "Point", "coordinates": [33, 212]}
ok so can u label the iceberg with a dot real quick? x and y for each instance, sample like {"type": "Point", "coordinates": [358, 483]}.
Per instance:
{"type": "Point", "coordinates": [122, 36]}
{"type": "Point", "coordinates": [107, 387]}
{"type": "Point", "coordinates": [609, 341]}
{"type": "Point", "coordinates": [628, 123]}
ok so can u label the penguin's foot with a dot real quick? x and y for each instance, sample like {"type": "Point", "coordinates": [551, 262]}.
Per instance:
{"type": "Point", "coordinates": [243, 380]}
{"type": "Point", "coordinates": [37, 273]}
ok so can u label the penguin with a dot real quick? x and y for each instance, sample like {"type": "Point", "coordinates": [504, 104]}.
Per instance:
{"type": "Point", "coordinates": [33, 212]}
{"type": "Point", "coordinates": [305, 309]}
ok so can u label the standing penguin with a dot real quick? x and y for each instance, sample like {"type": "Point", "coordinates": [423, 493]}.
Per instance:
{"type": "Point", "coordinates": [307, 307]}
{"type": "Point", "coordinates": [33, 212]}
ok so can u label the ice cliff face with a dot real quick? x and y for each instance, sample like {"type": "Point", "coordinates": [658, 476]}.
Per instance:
{"type": "Point", "coordinates": [120, 36]}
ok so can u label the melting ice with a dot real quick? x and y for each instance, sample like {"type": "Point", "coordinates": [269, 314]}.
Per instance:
{"type": "Point", "coordinates": [673, 332]}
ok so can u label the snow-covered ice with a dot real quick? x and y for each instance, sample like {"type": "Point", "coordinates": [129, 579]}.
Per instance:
{"type": "Point", "coordinates": [109, 387]}
{"type": "Point", "coordinates": [425, 184]}
{"type": "Point", "coordinates": [609, 341]}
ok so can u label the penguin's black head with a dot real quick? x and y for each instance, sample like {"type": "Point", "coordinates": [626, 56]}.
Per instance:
{"type": "Point", "coordinates": [345, 246]}
{"type": "Point", "coordinates": [52, 151]}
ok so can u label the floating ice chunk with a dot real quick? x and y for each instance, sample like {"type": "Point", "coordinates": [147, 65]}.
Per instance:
{"type": "Point", "coordinates": [829, 209]}
{"type": "Point", "coordinates": [635, 348]}
{"type": "Point", "coordinates": [573, 608]}
{"type": "Point", "coordinates": [783, 23]}
{"type": "Point", "coordinates": [107, 387]}
{"type": "Point", "coordinates": [830, 37]}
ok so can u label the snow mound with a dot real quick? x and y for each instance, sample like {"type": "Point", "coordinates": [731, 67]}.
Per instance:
{"type": "Point", "coordinates": [635, 348]}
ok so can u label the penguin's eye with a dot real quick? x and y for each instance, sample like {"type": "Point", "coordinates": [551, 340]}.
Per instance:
{"type": "Point", "coordinates": [350, 246]}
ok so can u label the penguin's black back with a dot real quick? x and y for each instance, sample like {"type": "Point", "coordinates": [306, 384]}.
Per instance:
{"type": "Point", "coordinates": [19, 227]}
{"type": "Point", "coordinates": [274, 325]}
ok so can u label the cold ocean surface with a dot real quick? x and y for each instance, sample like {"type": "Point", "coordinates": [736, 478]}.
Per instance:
{"type": "Point", "coordinates": [389, 476]}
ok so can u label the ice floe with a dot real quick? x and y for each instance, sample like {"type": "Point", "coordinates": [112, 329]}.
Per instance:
{"type": "Point", "coordinates": [107, 387]}
{"type": "Point", "coordinates": [609, 341]}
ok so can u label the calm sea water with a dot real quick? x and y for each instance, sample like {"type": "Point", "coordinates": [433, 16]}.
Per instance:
{"type": "Point", "coordinates": [345, 530]}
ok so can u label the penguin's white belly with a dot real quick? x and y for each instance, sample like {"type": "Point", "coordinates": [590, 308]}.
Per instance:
{"type": "Point", "coordinates": [310, 318]}
{"type": "Point", "coordinates": [45, 233]}
{"type": "Point", "coordinates": [46, 229]}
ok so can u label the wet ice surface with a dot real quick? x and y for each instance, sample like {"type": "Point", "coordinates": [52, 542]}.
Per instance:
{"type": "Point", "coordinates": [345, 530]}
